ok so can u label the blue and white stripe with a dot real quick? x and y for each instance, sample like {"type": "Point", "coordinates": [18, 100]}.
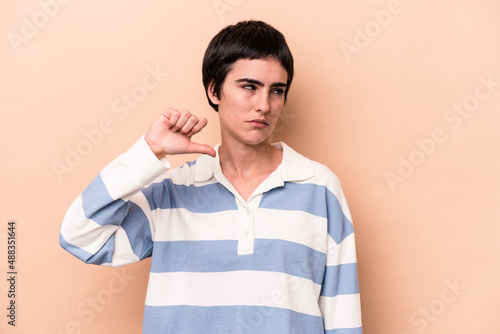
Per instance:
{"type": "Point", "coordinates": [282, 262]}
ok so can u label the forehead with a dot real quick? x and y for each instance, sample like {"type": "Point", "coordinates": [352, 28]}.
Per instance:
{"type": "Point", "coordinates": [267, 70]}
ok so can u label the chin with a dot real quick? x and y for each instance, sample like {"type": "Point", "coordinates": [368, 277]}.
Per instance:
{"type": "Point", "coordinates": [257, 141]}
{"type": "Point", "coordinates": [252, 138]}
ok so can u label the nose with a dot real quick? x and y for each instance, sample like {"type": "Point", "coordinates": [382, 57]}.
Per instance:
{"type": "Point", "coordinates": [262, 103]}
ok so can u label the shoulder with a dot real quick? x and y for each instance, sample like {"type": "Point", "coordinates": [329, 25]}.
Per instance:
{"type": "Point", "coordinates": [323, 172]}
{"type": "Point", "coordinates": [324, 176]}
{"type": "Point", "coordinates": [312, 171]}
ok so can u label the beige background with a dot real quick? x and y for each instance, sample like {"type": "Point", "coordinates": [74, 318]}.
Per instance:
{"type": "Point", "coordinates": [392, 95]}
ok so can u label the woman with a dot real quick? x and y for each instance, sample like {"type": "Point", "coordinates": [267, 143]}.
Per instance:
{"type": "Point", "coordinates": [252, 237]}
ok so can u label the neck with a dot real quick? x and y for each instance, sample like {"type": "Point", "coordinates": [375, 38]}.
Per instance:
{"type": "Point", "coordinates": [245, 161]}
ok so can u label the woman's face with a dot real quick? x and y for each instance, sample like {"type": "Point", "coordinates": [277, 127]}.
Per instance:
{"type": "Point", "coordinates": [252, 98]}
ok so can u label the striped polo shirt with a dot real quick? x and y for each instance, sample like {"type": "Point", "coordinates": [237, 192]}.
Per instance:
{"type": "Point", "coordinates": [283, 261]}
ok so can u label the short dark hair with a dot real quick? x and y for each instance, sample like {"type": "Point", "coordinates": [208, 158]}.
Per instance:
{"type": "Point", "coordinates": [243, 40]}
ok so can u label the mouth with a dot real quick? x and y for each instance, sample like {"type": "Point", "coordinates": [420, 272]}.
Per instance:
{"type": "Point", "coordinates": [259, 123]}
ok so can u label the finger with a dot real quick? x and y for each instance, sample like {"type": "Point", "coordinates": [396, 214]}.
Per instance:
{"type": "Point", "coordinates": [190, 123]}
{"type": "Point", "coordinates": [202, 122]}
{"type": "Point", "coordinates": [173, 117]}
{"type": "Point", "coordinates": [181, 121]}
{"type": "Point", "coordinates": [201, 148]}
{"type": "Point", "coordinates": [169, 111]}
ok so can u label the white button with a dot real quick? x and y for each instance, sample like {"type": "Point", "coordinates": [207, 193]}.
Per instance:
{"type": "Point", "coordinates": [248, 233]}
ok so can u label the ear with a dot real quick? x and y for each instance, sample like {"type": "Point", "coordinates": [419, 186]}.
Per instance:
{"type": "Point", "coordinates": [212, 95]}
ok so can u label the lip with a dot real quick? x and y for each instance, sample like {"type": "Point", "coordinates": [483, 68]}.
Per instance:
{"type": "Point", "coordinates": [258, 123]}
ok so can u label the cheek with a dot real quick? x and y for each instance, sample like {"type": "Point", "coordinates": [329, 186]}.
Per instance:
{"type": "Point", "coordinates": [276, 109]}
{"type": "Point", "coordinates": [275, 117]}
{"type": "Point", "coordinates": [233, 101]}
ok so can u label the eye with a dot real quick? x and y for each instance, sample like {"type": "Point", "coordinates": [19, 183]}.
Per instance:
{"type": "Point", "coordinates": [278, 91]}
{"type": "Point", "coordinates": [249, 87]}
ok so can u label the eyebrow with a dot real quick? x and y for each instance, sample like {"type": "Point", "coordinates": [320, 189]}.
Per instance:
{"type": "Point", "coordinates": [261, 84]}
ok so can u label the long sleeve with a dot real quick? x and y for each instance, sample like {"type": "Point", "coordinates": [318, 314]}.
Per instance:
{"type": "Point", "coordinates": [340, 299]}
{"type": "Point", "coordinates": [109, 223]}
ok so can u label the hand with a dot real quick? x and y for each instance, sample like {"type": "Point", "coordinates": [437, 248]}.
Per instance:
{"type": "Point", "coordinates": [171, 134]}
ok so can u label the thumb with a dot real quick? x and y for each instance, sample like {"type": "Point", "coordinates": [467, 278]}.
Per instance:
{"type": "Point", "coordinates": [201, 148]}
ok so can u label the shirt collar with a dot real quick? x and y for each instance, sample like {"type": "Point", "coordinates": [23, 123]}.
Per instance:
{"type": "Point", "coordinates": [206, 166]}
{"type": "Point", "coordinates": [293, 167]}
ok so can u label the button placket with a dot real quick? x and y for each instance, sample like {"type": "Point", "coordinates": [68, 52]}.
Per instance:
{"type": "Point", "coordinates": [246, 235]}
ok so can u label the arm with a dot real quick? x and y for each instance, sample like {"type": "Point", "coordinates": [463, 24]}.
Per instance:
{"type": "Point", "coordinates": [340, 299]}
{"type": "Point", "coordinates": [110, 222]}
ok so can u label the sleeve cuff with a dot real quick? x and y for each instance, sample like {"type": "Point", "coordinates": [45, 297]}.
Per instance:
{"type": "Point", "coordinates": [133, 170]}
{"type": "Point", "coordinates": [143, 163]}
